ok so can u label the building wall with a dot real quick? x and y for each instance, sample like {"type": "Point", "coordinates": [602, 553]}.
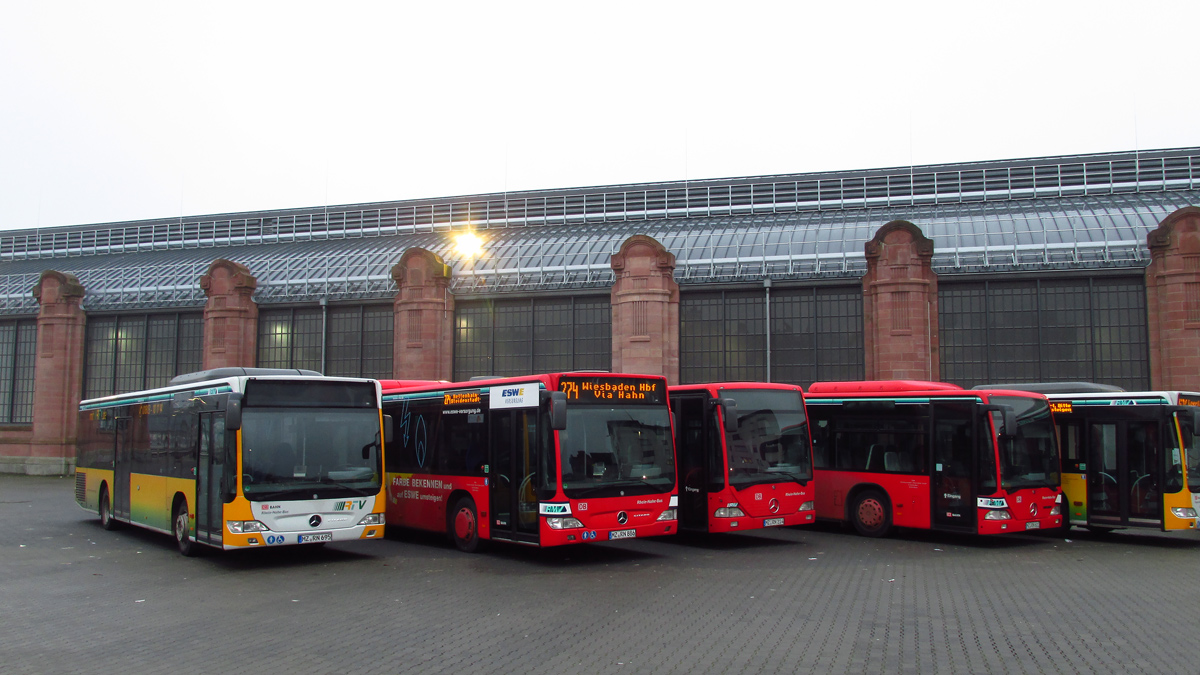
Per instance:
{"type": "Point", "coordinates": [1134, 330]}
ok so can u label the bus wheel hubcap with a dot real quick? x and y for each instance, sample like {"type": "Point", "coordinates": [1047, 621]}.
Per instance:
{"type": "Point", "coordinates": [464, 524]}
{"type": "Point", "coordinates": [870, 513]}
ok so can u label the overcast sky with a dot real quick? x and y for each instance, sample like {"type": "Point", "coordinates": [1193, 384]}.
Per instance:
{"type": "Point", "coordinates": [113, 111]}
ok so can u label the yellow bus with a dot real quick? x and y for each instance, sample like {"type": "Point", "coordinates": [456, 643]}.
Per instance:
{"type": "Point", "coordinates": [236, 458]}
{"type": "Point", "coordinates": [1129, 459]}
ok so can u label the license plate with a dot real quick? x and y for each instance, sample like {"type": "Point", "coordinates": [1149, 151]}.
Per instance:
{"type": "Point", "coordinates": [1033, 525]}
{"type": "Point", "coordinates": [313, 538]}
{"type": "Point", "coordinates": [772, 522]}
{"type": "Point", "coordinates": [622, 534]}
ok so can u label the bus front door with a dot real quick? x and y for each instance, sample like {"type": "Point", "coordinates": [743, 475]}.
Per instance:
{"type": "Point", "coordinates": [514, 480]}
{"type": "Point", "coordinates": [1124, 474]}
{"type": "Point", "coordinates": [953, 466]}
{"type": "Point", "coordinates": [692, 443]}
{"type": "Point", "coordinates": [210, 470]}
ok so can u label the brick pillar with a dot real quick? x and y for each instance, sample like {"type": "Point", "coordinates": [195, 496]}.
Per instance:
{"type": "Point", "coordinates": [645, 310]}
{"type": "Point", "coordinates": [1173, 301]}
{"type": "Point", "coordinates": [423, 343]}
{"type": "Point", "coordinates": [900, 321]}
{"type": "Point", "coordinates": [58, 374]}
{"type": "Point", "coordinates": [230, 316]}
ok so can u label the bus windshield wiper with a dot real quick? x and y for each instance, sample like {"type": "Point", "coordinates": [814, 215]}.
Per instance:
{"type": "Point", "coordinates": [325, 480]}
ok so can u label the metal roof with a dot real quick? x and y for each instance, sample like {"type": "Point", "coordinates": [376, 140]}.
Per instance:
{"type": "Point", "coordinates": [1081, 212]}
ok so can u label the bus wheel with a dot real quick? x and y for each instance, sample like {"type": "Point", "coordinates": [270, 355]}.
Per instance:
{"type": "Point", "coordinates": [106, 519]}
{"type": "Point", "coordinates": [464, 525]}
{"type": "Point", "coordinates": [870, 514]}
{"type": "Point", "coordinates": [181, 526]}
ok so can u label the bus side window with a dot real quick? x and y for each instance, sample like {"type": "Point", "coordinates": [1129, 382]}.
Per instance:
{"type": "Point", "coordinates": [820, 441]}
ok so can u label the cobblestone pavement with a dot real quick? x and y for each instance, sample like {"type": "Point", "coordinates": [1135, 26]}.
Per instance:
{"type": "Point", "coordinates": [74, 598]}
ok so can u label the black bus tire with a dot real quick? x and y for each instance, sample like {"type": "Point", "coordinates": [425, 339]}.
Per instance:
{"type": "Point", "coordinates": [105, 510]}
{"type": "Point", "coordinates": [870, 514]}
{"type": "Point", "coordinates": [464, 525]}
{"type": "Point", "coordinates": [180, 526]}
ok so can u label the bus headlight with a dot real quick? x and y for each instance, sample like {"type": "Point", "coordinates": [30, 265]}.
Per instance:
{"type": "Point", "coordinates": [372, 519]}
{"type": "Point", "coordinates": [1184, 512]}
{"type": "Point", "coordinates": [669, 514]}
{"type": "Point", "coordinates": [807, 506]}
{"type": "Point", "coordinates": [729, 512]}
{"type": "Point", "coordinates": [1056, 510]}
{"type": "Point", "coordinates": [998, 514]}
{"type": "Point", "coordinates": [245, 526]}
{"type": "Point", "coordinates": [563, 523]}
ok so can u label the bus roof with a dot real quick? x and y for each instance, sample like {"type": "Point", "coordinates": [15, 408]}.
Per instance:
{"type": "Point", "coordinates": [1171, 397]}
{"type": "Point", "coordinates": [392, 386]}
{"type": "Point", "coordinates": [715, 386]}
{"type": "Point", "coordinates": [883, 387]}
{"type": "Point", "coordinates": [232, 383]}
{"type": "Point", "coordinates": [1054, 387]}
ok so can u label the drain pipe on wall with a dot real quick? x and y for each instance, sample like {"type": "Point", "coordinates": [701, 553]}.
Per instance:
{"type": "Point", "coordinates": [324, 331]}
{"type": "Point", "coordinates": [767, 288]}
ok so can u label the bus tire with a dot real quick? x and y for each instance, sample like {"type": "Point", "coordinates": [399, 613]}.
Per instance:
{"type": "Point", "coordinates": [870, 514]}
{"type": "Point", "coordinates": [180, 526]}
{"type": "Point", "coordinates": [464, 525]}
{"type": "Point", "coordinates": [105, 510]}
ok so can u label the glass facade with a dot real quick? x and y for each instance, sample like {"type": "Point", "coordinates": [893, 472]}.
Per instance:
{"type": "Point", "coordinates": [356, 340]}
{"type": "Point", "coordinates": [816, 334]}
{"type": "Point", "coordinates": [532, 335]}
{"type": "Point", "coordinates": [1038, 330]}
{"type": "Point", "coordinates": [130, 352]}
{"type": "Point", "coordinates": [18, 350]}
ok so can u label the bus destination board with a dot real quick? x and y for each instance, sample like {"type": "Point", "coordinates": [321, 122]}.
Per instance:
{"type": "Point", "coordinates": [614, 390]}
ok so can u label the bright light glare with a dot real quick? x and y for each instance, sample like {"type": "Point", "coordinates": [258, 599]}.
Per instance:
{"type": "Point", "coordinates": [468, 245]}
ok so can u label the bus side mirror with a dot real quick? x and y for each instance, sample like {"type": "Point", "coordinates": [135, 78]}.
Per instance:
{"type": "Point", "coordinates": [558, 410]}
{"type": "Point", "coordinates": [1008, 419]}
{"type": "Point", "coordinates": [387, 428]}
{"type": "Point", "coordinates": [233, 412]}
{"type": "Point", "coordinates": [729, 413]}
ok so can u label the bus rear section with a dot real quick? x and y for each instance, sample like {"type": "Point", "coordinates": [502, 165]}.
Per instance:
{"type": "Point", "coordinates": [237, 458]}
{"type": "Point", "coordinates": [1130, 459]}
{"type": "Point", "coordinates": [744, 456]}
{"type": "Point", "coordinates": [543, 460]}
{"type": "Point", "coordinates": [930, 455]}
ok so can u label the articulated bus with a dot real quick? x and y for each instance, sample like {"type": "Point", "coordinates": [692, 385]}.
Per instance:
{"type": "Point", "coordinates": [1130, 459]}
{"type": "Point", "coordinates": [744, 456]}
{"type": "Point", "coordinates": [542, 460]}
{"type": "Point", "coordinates": [235, 458]}
{"type": "Point", "coordinates": [934, 456]}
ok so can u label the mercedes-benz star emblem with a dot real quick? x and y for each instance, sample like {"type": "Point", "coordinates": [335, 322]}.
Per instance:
{"type": "Point", "coordinates": [314, 521]}
{"type": "Point", "coordinates": [622, 517]}
{"type": "Point", "coordinates": [773, 505]}
{"type": "Point", "coordinates": [1033, 509]}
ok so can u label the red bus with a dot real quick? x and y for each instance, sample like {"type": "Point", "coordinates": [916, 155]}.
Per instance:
{"type": "Point", "coordinates": [933, 456]}
{"type": "Point", "coordinates": [543, 460]}
{"type": "Point", "coordinates": [744, 456]}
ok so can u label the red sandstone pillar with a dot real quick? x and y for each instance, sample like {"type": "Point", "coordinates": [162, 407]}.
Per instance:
{"type": "Point", "coordinates": [900, 305]}
{"type": "Point", "coordinates": [645, 310]}
{"type": "Point", "coordinates": [1173, 301]}
{"type": "Point", "coordinates": [423, 344]}
{"type": "Point", "coordinates": [58, 372]}
{"type": "Point", "coordinates": [230, 316]}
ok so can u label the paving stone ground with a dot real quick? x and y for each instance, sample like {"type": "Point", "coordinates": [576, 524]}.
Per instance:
{"type": "Point", "coordinates": [75, 599]}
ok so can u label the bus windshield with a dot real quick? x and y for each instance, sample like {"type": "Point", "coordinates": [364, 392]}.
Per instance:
{"type": "Point", "coordinates": [287, 453]}
{"type": "Point", "coordinates": [771, 442]}
{"type": "Point", "coordinates": [610, 451]}
{"type": "Point", "coordinates": [1028, 457]}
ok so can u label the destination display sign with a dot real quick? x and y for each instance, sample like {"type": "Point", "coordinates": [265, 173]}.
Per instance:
{"type": "Point", "coordinates": [1061, 407]}
{"type": "Point", "coordinates": [601, 389]}
{"type": "Point", "coordinates": [1183, 400]}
